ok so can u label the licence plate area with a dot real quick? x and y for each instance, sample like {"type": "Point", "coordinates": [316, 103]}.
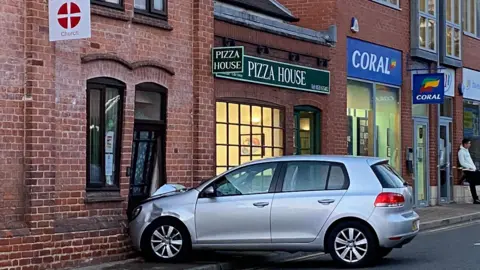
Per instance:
{"type": "Point", "coordinates": [415, 225]}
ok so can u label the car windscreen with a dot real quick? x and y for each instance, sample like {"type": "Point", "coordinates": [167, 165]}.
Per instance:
{"type": "Point", "coordinates": [388, 176]}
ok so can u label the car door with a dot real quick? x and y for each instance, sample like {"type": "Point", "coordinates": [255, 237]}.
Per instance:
{"type": "Point", "coordinates": [240, 211]}
{"type": "Point", "coordinates": [306, 195]}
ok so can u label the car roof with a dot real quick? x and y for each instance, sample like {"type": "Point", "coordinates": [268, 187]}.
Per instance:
{"type": "Point", "coordinates": [330, 158]}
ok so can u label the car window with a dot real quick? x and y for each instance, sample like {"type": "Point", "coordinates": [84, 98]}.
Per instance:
{"type": "Point", "coordinates": [388, 177]}
{"type": "Point", "coordinates": [305, 176]}
{"type": "Point", "coordinates": [337, 178]}
{"type": "Point", "coordinates": [254, 179]}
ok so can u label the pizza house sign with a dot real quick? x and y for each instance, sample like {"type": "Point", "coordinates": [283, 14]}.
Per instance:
{"type": "Point", "coordinates": [231, 63]}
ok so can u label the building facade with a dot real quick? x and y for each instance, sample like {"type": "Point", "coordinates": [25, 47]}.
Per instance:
{"type": "Point", "coordinates": [91, 127]}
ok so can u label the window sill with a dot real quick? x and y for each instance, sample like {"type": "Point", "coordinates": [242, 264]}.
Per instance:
{"type": "Point", "coordinates": [387, 5]}
{"type": "Point", "coordinates": [109, 12]}
{"type": "Point", "coordinates": [151, 21]}
{"type": "Point", "coordinates": [468, 34]}
{"type": "Point", "coordinates": [103, 196]}
{"type": "Point", "coordinates": [108, 5]}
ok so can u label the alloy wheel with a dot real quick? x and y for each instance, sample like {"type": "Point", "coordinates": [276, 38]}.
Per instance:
{"type": "Point", "coordinates": [166, 241]}
{"type": "Point", "coordinates": [351, 245]}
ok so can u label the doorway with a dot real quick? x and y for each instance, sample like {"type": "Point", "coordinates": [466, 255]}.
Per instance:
{"type": "Point", "coordinates": [147, 168]}
{"type": "Point", "coordinates": [306, 130]}
{"type": "Point", "coordinates": [420, 162]}
{"type": "Point", "coordinates": [445, 188]}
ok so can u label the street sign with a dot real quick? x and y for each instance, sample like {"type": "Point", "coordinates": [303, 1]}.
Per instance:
{"type": "Point", "coordinates": [69, 19]}
{"type": "Point", "coordinates": [227, 59]}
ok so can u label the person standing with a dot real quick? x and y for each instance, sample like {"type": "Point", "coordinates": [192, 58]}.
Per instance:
{"type": "Point", "coordinates": [469, 169]}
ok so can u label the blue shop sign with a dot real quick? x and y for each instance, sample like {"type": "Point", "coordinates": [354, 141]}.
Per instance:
{"type": "Point", "coordinates": [373, 62]}
{"type": "Point", "coordinates": [428, 88]}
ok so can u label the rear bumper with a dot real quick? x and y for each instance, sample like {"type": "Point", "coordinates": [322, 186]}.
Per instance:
{"type": "Point", "coordinates": [396, 229]}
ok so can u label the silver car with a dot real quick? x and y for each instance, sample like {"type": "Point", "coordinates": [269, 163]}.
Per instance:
{"type": "Point", "coordinates": [357, 209]}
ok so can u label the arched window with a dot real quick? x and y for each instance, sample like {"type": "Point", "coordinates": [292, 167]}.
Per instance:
{"type": "Point", "coordinates": [104, 132]}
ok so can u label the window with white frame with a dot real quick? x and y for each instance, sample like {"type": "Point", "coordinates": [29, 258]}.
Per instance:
{"type": "Point", "coordinates": [453, 28]}
{"type": "Point", "coordinates": [428, 24]}
{"type": "Point", "coordinates": [390, 3]}
{"type": "Point", "coordinates": [470, 16]}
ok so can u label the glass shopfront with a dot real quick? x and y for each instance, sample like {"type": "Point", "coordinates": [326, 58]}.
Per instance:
{"type": "Point", "coordinates": [373, 101]}
{"type": "Point", "coordinates": [471, 111]}
{"type": "Point", "coordinates": [247, 132]}
{"type": "Point", "coordinates": [374, 127]}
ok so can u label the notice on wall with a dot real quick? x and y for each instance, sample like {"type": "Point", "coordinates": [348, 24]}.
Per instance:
{"type": "Point", "coordinates": [108, 164]}
{"type": "Point", "coordinates": [109, 142]}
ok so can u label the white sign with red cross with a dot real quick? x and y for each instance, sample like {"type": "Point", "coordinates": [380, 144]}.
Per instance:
{"type": "Point", "coordinates": [69, 19]}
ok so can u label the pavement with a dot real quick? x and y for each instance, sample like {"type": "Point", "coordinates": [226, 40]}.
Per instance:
{"type": "Point", "coordinates": [431, 218]}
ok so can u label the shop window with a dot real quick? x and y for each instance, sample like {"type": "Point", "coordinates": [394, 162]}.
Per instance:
{"type": "Point", "coordinates": [306, 131]}
{"type": "Point", "coordinates": [360, 118]}
{"type": "Point", "coordinates": [428, 18]}
{"type": "Point", "coordinates": [374, 128]}
{"type": "Point", "coordinates": [446, 109]}
{"type": "Point", "coordinates": [471, 127]}
{"type": "Point", "coordinates": [470, 17]}
{"type": "Point", "coordinates": [247, 132]}
{"type": "Point", "coordinates": [104, 126]}
{"type": "Point", "coordinates": [387, 120]}
{"type": "Point", "coordinates": [453, 28]}
{"type": "Point", "coordinates": [110, 3]}
{"type": "Point", "coordinates": [420, 110]}
{"type": "Point", "coordinates": [156, 8]}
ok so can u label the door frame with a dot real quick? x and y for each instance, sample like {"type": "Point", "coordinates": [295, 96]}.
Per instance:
{"type": "Point", "coordinates": [421, 121]}
{"type": "Point", "coordinates": [317, 137]}
{"type": "Point", "coordinates": [445, 121]}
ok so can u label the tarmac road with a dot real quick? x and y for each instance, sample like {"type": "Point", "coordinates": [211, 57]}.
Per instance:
{"type": "Point", "coordinates": [453, 248]}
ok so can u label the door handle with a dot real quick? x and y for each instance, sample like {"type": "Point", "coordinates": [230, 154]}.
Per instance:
{"type": "Point", "coordinates": [261, 204]}
{"type": "Point", "coordinates": [326, 201]}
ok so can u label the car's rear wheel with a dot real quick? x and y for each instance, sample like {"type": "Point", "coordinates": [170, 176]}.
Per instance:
{"type": "Point", "coordinates": [352, 244]}
{"type": "Point", "coordinates": [166, 241]}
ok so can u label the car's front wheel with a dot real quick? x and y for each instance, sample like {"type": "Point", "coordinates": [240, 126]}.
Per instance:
{"type": "Point", "coordinates": [166, 241]}
{"type": "Point", "coordinates": [352, 244]}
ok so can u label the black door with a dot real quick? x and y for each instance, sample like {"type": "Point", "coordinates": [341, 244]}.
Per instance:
{"type": "Point", "coordinates": [146, 154]}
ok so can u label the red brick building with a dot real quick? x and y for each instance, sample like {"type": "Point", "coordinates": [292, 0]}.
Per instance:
{"type": "Point", "coordinates": [92, 126]}
{"type": "Point", "coordinates": [65, 164]}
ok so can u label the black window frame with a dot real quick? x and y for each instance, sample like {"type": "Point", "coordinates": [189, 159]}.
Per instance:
{"type": "Point", "coordinates": [119, 6]}
{"type": "Point", "coordinates": [101, 83]}
{"type": "Point", "coordinates": [271, 189]}
{"type": "Point", "coordinates": [152, 12]}
{"type": "Point", "coordinates": [240, 102]}
{"type": "Point", "coordinates": [283, 171]}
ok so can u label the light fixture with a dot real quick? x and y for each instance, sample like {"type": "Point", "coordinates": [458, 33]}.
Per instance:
{"type": "Point", "coordinates": [263, 49]}
{"type": "Point", "coordinates": [228, 42]}
{"type": "Point", "coordinates": [294, 57]}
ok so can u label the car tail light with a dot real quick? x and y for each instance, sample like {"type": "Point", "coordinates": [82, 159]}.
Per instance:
{"type": "Point", "coordinates": [389, 199]}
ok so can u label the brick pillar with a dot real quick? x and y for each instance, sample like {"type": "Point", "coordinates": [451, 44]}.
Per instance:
{"type": "Point", "coordinates": [457, 127]}
{"type": "Point", "coordinates": [203, 92]}
{"type": "Point", "coordinates": [40, 123]}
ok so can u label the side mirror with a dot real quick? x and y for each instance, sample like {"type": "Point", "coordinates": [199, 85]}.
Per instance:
{"type": "Point", "coordinates": [209, 192]}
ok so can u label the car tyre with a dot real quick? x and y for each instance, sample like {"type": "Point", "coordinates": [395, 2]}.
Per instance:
{"type": "Point", "coordinates": [166, 241]}
{"type": "Point", "coordinates": [353, 244]}
{"type": "Point", "coordinates": [383, 252]}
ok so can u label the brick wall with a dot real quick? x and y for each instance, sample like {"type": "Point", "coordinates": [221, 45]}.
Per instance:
{"type": "Point", "coordinates": [12, 72]}
{"type": "Point", "coordinates": [57, 223]}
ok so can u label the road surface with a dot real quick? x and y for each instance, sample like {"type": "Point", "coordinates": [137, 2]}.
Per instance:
{"type": "Point", "coordinates": [453, 248]}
